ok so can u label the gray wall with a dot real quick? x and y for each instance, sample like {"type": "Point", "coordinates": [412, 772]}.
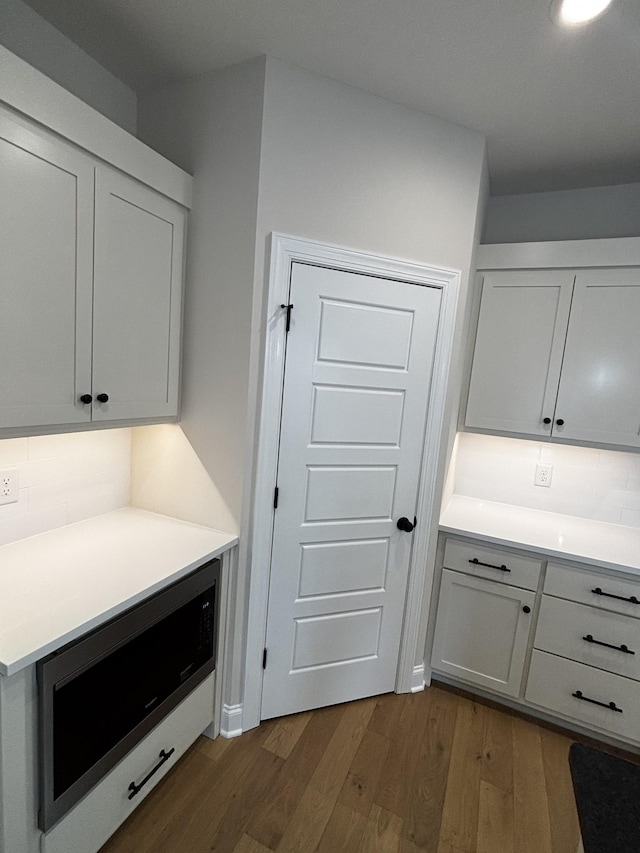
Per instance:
{"type": "Point", "coordinates": [35, 40]}
{"type": "Point", "coordinates": [275, 148]}
{"type": "Point", "coordinates": [215, 134]}
{"type": "Point", "coordinates": [567, 215]}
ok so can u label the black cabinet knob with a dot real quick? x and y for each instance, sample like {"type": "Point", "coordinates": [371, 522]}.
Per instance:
{"type": "Point", "coordinates": [546, 420]}
{"type": "Point", "coordinates": [404, 524]}
{"type": "Point", "coordinates": [86, 399]}
{"type": "Point", "coordinates": [102, 398]}
{"type": "Point", "coordinates": [560, 422]}
{"type": "Point", "coordinates": [526, 609]}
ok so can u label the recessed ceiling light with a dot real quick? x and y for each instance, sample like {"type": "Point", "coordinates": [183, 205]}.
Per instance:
{"type": "Point", "coordinates": [573, 12]}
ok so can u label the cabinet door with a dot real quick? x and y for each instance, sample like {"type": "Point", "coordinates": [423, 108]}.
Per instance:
{"type": "Point", "coordinates": [482, 632]}
{"type": "Point", "coordinates": [599, 396]}
{"type": "Point", "coordinates": [518, 351]}
{"type": "Point", "coordinates": [139, 237]}
{"type": "Point", "coordinates": [46, 246]}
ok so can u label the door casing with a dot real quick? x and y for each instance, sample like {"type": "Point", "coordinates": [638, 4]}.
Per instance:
{"type": "Point", "coordinates": [284, 251]}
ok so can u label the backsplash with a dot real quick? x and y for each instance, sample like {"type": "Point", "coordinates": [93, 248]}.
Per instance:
{"type": "Point", "coordinates": [603, 485]}
{"type": "Point", "coordinates": [64, 478]}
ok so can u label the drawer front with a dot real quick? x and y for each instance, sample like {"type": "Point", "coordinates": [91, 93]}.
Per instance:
{"type": "Point", "coordinates": [563, 626]}
{"type": "Point", "coordinates": [96, 817]}
{"type": "Point", "coordinates": [578, 585]}
{"type": "Point", "coordinates": [487, 561]}
{"type": "Point", "coordinates": [553, 681]}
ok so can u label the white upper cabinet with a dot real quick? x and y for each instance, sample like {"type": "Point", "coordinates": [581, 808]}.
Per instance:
{"type": "Point", "coordinates": [91, 293]}
{"type": "Point", "coordinates": [136, 299]}
{"type": "Point", "coordinates": [46, 246]}
{"type": "Point", "coordinates": [599, 394]}
{"type": "Point", "coordinates": [557, 354]}
{"type": "Point", "coordinates": [518, 352]}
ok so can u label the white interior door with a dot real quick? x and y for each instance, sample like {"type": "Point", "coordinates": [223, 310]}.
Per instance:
{"type": "Point", "coordinates": [358, 373]}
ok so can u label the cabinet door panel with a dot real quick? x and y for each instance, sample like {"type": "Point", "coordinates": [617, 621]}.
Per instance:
{"type": "Point", "coordinates": [599, 396]}
{"type": "Point", "coordinates": [46, 245]}
{"type": "Point", "coordinates": [137, 302]}
{"type": "Point", "coordinates": [518, 350]}
{"type": "Point", "coordinates": [482, 632]}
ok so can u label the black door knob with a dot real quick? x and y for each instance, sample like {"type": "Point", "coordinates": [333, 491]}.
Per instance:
{"type": "Point", "coordinates": [102, 398]}
{"type": "Point", "coordinates": [86, 399]}
{"type": "Point", "coordinates": [546, 420]}
{"type": "Point", "coordinates": [560, 422]}
{"type": "Point", "coordinates": [526, 609]}
{"type": "Point", "coordinates": [405, 525]}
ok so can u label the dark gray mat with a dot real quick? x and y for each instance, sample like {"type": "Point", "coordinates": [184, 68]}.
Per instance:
{"type": "Point", "coordinates": [607, 791]}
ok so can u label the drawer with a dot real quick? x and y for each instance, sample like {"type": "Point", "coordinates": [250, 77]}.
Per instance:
{"type": "Point", "coordinates": [563, 625]}
{"type": "Point", "coordinates": [97, 816]}
{"type": "Point", "coordinates": [579, 585]}
{"type": "Point", "coordinates": [492, 562]}
{"type": "Point", "coordinates": [553, 681]}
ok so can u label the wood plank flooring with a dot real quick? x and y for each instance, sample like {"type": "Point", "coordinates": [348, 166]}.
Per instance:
{"type": "Point", "coordinates": [432, 772]}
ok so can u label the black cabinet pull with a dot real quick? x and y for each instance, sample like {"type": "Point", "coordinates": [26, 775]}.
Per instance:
{"type": "Point", "coordinates": [476, 562]}
{"type": "Point", "coordinates": [622, 648]}
{"type": "Point", "coordinates": [164, 756]}
{"type": "Point", "coordinates": [546, 420]}
{"type": "Point", "coordinates": [632, 599]}
{"type": "Point", "coordinates": [102, 398]}
{"type": "Point", "coordinates": [405, 525]}
{"type": "Point", "coordinates": [86, 399]}
{"type": "Point", "coordinates": [526, 609]}
{"type": "Point", "coordinates": [610, 705]}
{"type": "Point", "coordinates": [560, 422]}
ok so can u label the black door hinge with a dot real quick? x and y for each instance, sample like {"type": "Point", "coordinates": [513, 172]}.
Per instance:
{"type": "Point", "coordinates": [275, 497]}
{"type": "Point", "coordinates": [289, 310]}
{"type": "Point", "coordinates": [264, 659]}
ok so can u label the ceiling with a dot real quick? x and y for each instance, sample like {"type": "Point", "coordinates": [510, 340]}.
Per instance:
{"type": "Point", "coordinates": [560, 108]}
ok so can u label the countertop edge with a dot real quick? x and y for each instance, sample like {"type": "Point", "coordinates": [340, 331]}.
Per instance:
{"type": "Point", "coordinates": [13, 665]}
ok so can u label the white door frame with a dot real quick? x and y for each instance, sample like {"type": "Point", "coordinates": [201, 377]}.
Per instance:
{"type": "Point", "coordinates": [284, 252]}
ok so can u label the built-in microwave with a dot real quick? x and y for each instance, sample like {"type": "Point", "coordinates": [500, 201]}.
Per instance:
{"type": "Point", "coordinates": [99, 695]}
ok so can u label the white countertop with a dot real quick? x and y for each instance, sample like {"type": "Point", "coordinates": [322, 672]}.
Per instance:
{"type": "Point", "coordinates": [610, 546]}
{"type": "Point", "coordinates": [56, 586]}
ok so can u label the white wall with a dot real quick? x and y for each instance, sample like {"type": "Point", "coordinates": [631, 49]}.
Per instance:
{"type": "Point", "coordinates": [603, 485]}
{"type": "Point", "coordinates": [214, 133]}
{"type": "Point", "coordinates": [275, 148]}
{"type": "Point", "coordinates": [35, 40]}
{"type": "Point", "coordinates": [567, 215]}
{"type": "Point", "coordinates": [64, 478]}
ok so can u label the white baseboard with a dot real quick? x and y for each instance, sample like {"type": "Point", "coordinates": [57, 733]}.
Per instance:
{"type": "Point", "coordinates": [231, 723]}
{"type": "Point", "coordinates": [417, 679]}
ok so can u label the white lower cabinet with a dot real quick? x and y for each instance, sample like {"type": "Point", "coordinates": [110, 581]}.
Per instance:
{"type": "Point", "coordinates": [569, 649]}
{"type": "Point", "coordinates": [482, 631]}
{"type": "Point", "coordinates": [485, 612]}
{"type": "Point", "coordinates": [97, 816]}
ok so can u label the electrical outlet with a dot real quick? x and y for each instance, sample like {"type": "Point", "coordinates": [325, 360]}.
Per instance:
{"type": "Point", "coordinates": [543, 474]}
{"type": "Point", "coordinates": [9, 485]}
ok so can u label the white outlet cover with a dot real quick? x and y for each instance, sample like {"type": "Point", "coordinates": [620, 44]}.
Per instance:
{"type": "Point", "coordinates": [9, 485]}
{"type": "Point", "coordinates": [544, 472]}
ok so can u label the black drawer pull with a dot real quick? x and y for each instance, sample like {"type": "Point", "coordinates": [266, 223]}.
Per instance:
{"type": "Point", "coordinates": [164, 756]}
{"type": "Point", "coordinates": [610, 705]}
{"type": "Point", "coordinates": [476, 562]}
{"type": "Point", "coordinates": [621, 648]}
{"type": "Point", "coordinates": [631, 598]}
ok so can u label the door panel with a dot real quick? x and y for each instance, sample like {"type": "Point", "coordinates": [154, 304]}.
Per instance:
{"type": "Point", "coordinates": [518, 351]}
{"type": "Point", "coordinates": [139, 241]}
{"type": "Point", "coordinates": [46, 245]}
{"type": "Point", "coordinates": [357, 382]}
{"type": "Point", "coordinates": [599, 399]}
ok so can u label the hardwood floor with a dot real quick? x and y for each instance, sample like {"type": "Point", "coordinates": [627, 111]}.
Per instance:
{"type": "Point", "coordinates": [433, 771]}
